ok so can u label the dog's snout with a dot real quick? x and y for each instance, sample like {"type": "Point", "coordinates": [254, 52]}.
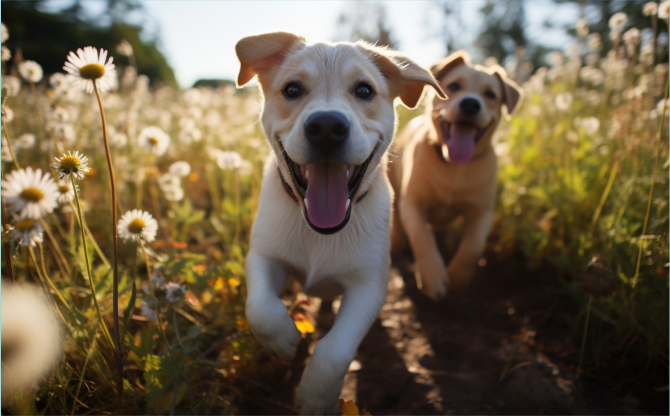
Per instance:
{"type": "Point", "coordinates": [327, 130]}
{"type": "Point", "coordinates": [470, 106]}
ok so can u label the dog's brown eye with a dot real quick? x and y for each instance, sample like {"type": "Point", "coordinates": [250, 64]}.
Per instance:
{"type": "Point", "coordinates": [292, 90]}
{"type": "Point", "coordinates": [364, 91]}
{"type": "Point", "coordinates": [490, 94]}
{"type": "Point", "coordinates": [454, 86]}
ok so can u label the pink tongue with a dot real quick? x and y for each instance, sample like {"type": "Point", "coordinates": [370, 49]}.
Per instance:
{"type": "Point", "coordinates": [327, 194]}
{"type": "Point", "coordinates": [461, 144]}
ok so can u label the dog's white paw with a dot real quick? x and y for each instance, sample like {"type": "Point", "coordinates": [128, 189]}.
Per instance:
{"type": "Point", "coordinates": [434, 281]}
{"type": "Point", "coordinates": [272, 326]}
{"type": "Point", "coordinates": [321, 383]}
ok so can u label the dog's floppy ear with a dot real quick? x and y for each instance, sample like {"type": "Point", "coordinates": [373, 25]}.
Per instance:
{"type": "Point", "coordinates": [405, 78]}
{"type": "Point", "coordinates": [444, 65]}
{"type": "Point", "coordinates": [512, 92]}
{"type": "Point", "coordinates": [262, 52]}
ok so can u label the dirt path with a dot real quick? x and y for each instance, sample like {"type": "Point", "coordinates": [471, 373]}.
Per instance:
{"type": "Point", "coordinates": [503, 347]}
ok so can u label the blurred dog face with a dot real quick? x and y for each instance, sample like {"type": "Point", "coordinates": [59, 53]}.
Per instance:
{"type": "Point", "coordinates": [472, 113]}
{"type": "Point", "coordinates": [329, 115]}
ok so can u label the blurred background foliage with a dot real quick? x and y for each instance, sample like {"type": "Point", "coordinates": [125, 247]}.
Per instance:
{"type": "Point", "coordinates": [30, 27]}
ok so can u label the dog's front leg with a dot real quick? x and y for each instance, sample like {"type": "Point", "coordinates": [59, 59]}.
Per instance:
{"type": "Point", "coordinates": [322, 380]}
{"type": "Point", "coordinates": [268, 318]}
{"type": "Point", "coordinates": [464, 264]}
{"type": "Point", "coordinates": [431, 272]}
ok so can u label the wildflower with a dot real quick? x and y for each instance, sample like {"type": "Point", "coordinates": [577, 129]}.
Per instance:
{"type": "Point", "coordinates": [661, 104]}
{"type": "Point", "coordinates": [229, 160]}
{"type": "Point", "coordinates": [174, 194]}
{"type": "Point", "coordinates": [595, 41]}
{"type": "Point", "coordinates": [88, 66]}
{"type": "Point", "coordinates": [6, 54]}
{"type": "Point", "coordinates": [582, 27]}
{"type": "Point", "coordinates": [663, 10]}
{"type": "Point", "coordinates": [30, 193]}
{"type": "Point", "coordinates": [563, 101]}
{"type": "Point", "coordinates": [148, 310]}
{"type": "Point", "coordinates": [7, 114]}
{"type": "Point", "coordinates": [31, 71]}
{"type": "Point", "coordinates": [59, 81]}
{"type": "Point", "coordinates": [154, 139]}
{"type": "Point", "coordinates": [650, 8]}
{"type": "Point", "coordinates": [617, 21]}
{"type": "Point", "coordinates": [25, 141]}
{"type": "Point", "coordinates": [27, 232]}
{"type": "Point", "coordinates": [66, 191]}
{"type": "Point", "coordinates": [124, 48]}
{"type": "Point", "coordinates": [118, 139]}
{"type": "Point", "coordinates": [174, 292]}
{"type": "Point", "coordinates": [159, 282]}
{"type": "Point", "coordinates": [180, 169]}
{"type": "Point", "coordinates": [168, 181]}
{"type": "Point", "coordinates": [31, 329]}
{"type": "Point", "coordinates": [10, 86]}
{"type": "Point", "coordinates": [4, 33]}
{"type": "Point", "coordinates": [632, 37]}
{"type": "Point", "coordinates": [76, 164]}
{"type": "Point", "coordinates": [66, 132]}
{"type": "Point", "coordinates": [137, 225]}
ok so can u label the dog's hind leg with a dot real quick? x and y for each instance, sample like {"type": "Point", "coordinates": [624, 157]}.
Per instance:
{"type": "Point", "coordinates": [464, 264]}
{"type": "Point", "coordinates": [268, 318]}
{"type": "Point", "coordinates": [322, 380]}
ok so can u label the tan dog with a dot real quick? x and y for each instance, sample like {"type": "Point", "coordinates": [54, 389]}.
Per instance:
{"type": "Point", "coordinates": [325, 204]}
{"type": "Point", "coordinates": [446, 167]}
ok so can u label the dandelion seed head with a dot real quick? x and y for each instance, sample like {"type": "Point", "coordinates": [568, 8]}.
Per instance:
{"type": "Point", "coordinates": [4, 33]}
{"type": "Point", "coordinates": [650, 8]}
{"type": "Point", "coordinates": [11, 86]}
{"type": "Point", "coordinates": [663, 9]}
{"type": "Point", "coordinates": [31, 71]}
{"type": "Point", "coordinates": [6, 54]}
{"type": "Point", "coordinates": [617, 21]}
{"type": "Point", "coordinates": [154, 139]}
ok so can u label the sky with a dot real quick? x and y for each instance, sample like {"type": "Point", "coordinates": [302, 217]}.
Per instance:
{"type": "Point", "coordinates": [199, 37]}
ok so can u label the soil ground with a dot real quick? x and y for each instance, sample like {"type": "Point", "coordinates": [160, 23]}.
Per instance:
{"type": "Point", "coordinates": [504, 346]}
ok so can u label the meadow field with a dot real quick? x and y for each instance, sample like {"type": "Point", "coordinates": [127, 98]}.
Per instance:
{"type": "Point", "coordinates": [582, 198]}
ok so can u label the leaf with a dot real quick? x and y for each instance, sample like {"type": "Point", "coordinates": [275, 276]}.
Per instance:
{"type": "Point", "coordinates": [129, 309]}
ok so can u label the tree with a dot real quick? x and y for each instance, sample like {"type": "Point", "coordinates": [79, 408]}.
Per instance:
{"type": "Point", "coordinates": [47, 38]}
{"type": "Point", "coordinates": [366, 21]}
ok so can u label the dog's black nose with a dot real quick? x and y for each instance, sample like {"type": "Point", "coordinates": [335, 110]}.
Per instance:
{"type": "Point", "coordinates": [327, 129]}
{"type": "Point", "coordinates": [470, 106]}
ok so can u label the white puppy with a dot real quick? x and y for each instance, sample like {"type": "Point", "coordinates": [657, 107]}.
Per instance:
{"type": "Point", "coordinates": [324, 210]}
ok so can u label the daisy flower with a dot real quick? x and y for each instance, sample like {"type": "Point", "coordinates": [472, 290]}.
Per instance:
{"type": "Point", "coordinates": [663, 9]}
{"type": "Point", "coordinates": [6, 54]}
{"type": "Point", "coordinates": [174, 194]}
{"type": "Point", "coordinates": [180, 168]}
{"type": "Point", "coordinates": [229, 160]}
{"type": "Point", "coordinates": [31, 71]}
{"type": "Point", "coordinates": [174, 292]}
{"type": "Point", "coordinates": [66, 191]}
{"type": "Point", "coordinates": [87, 66]}
{"type": "Point", "coordinates": [30, 193]}
{"type": "Point", "coordinates": [137, 224]}
{"type": "Point", "coordinates": [76, 163]}
{"type": "Point", "coordinates": [617, 21]}
{"type": "Point", "coordinates": [59, 81]}
{"type": "Point", "coordinates": [4, 33]}
{"type": "Point", "coordinates": [27, 232]}
{"type": "Point", "coordinates": [154, 139]}
{"type": "Point", "coordinates": [168, 181]}
{"type": "Point", "coordinates": [650, 8]}
{"type": "Point", "coordinates": [25, 141]}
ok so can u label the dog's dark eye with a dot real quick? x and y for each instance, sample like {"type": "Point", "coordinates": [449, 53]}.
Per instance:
{"type": "Point", "coordinates": [364, 91]}
{"type": "Point", "coordinates": [292, 90]}
{"type": "Point", "coordinates": [454, 86]}
{"type": "Point", "coordinates": [490, 94]}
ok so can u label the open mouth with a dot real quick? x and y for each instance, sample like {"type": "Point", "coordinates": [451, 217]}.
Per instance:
{"type": "Point", "coordinates": [327, 190]}
{"type": "Point", "coordinates": [461, 139]}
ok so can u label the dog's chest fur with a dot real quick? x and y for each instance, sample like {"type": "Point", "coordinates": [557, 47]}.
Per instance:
{"type": "Point", "coordinates": [322, 263]}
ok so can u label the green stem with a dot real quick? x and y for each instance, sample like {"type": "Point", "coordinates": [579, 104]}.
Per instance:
{"type": "Point", "coordinates": [90, 236]}
{"type": "Point", "coordinates": [586, 327]}
{"type": "Point", "coordinates": [115, 257]}
{"type": "Point", "coordinates": [651, 189]}
{"type": "Point", "coordinates": [88, 266]}
{"type": "Point", "coordinates": [83, 370]}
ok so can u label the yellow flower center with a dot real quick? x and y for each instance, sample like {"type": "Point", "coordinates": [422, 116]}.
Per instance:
{"type": "Point", "coordinates": [32, 194]}
{"type": "Point", "coordinates": [63, 189]}
{"type": "Point", "coordinates": [24, 224]}
{"type": "Point", "coordinates": [92, 71]}
{"type": "Point", "coordinates": [69, 164]}
{"type": "Point", "coordinates": [136, 226]}
{"type": "Point", "coordinates": [153, 140]}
